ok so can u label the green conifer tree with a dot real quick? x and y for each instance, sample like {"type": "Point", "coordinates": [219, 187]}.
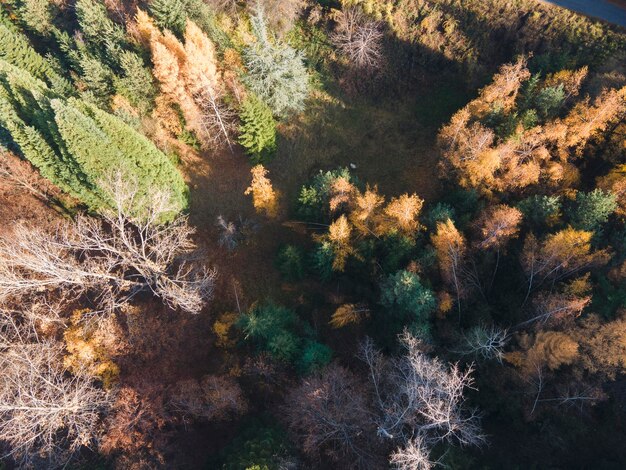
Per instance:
{"type": "Point", "coordinates": [257, 133]}
{"type": "Point", "coordinates": [169, 14]}
{"type": "Point", "coordinates": [136, 82]}
{"type": "Point", "coordinates": [16, 50]}
{"type": "Point", "coordinates": [98, 79]}
{"type": "Point", "coordinates": [105, 38]}
{"type": "Point", "coordinates": [77, 145]}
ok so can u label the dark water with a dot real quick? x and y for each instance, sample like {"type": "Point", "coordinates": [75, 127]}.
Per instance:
{"type": "Point", "coordinates": [602, 9]}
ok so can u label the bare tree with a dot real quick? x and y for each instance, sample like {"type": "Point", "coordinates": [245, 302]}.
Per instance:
{"type": "Point", "coordinates": [413, 456]}
{"type": "Point", "coordinates": [111, 258]}
{"type": "Point", "coordinates": [212, 398]}
{"type": "Point", "coordinates": [329, 414]}
{"type": "Point", "coordinates": [485, 342]}
{"type": "Point", "coordinates": [420, 401]}
{"type": "Point", "coordinates": [46, 414]}
{"type": "Point", "coordinates": [218, 121]}
{"type": "Point", "coordinates": [359, 39]}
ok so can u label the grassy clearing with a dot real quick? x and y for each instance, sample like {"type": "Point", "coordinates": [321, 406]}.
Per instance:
{"type": "Point", "coordinates": [391, 142]}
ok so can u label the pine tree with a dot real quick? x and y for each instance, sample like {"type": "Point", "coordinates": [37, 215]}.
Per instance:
{"type": "Point", "coordinates": [169, 14]}
{"type": "Point", "coordinates": [98, 79]}
{"type": "Point", "coordinates": [276, 72]}
{"type": "Point", "coordinates": [593, 209]}
{"type": "Point", "coordinates": [404, 294]}
{"type": "Point", "coordinates": [16, 50]}
{"type": "Point", "coordinates": [104, 37]}
{"type": "Point", "coordinates": [78, 146]}
{"type": "Point", "coordinates": [37, 15]}
{"type": "Point", "coordinates": [153, 169]}
{"type": "Point", "coordinates": [136, 82]}
{"type": "Point", "coordinates": [257, 133]}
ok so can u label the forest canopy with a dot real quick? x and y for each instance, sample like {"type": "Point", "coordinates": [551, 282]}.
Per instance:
{"type": "Point", "coordinates": [301, 234]}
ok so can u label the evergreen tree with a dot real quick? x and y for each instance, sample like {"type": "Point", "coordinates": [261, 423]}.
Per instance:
{"type": "Point", "coordinates": [98, 79]}
{"type": "Point", "coordinates": [290, 262]}
{"type": "Point", "coordinates": [37, 15]}
{"type": "Point", "coordinates": [314, 357]}
{"type": "Point", "coordinates": [169, 14]}
{"type": "Point", "coordinates": [136, 156]}
{"type": "Point", "coordinates": [549, 100]}
{"type": "Point", "coordinates": [77, 146]}
{"type": "Point", "coordinates": [203, 15]}
{"type": "Point", "coordinates": [136, 82]}
{"type": "Point", "coordinates": [106, 38]}
{"type": "Point", "coordinates": [592, 209]}
{"type": "Point", "coordinates": [314, 199]}
{"type": "Point", "coordinates": [257, 133]}
{"type": "Point", "coordinates": [276, 72]}
{"type": "Point", "coordinates": [404, 294]}
{"type": "Point", "coordinates": [323, 259]}
{"type": "Point", "coordinates": [16, 50]}
{"type": "Point", "coordinates": [540, 210]}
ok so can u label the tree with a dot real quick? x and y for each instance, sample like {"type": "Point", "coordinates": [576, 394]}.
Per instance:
{"type": "Point", "coordinates": [485, 342]}
{"type": "Point", "coordinates": [204, 84]}
{"type": "Point", "coordinates": [106, 37]}
{"type": "Point", "coordinates": [404, 212]}
{"type": "Point", "coordinates": [284, 13]}
{"type": "Point", "coordinates": [314, 357]}
{"type": "Point", "coordinates": [257, 133]}
{"type": "Point", "coordinates": [290, 262]}
{"type": "Point", "coordinates": [497, 225]}
{"type": "Point", "coordinates": [329, 414]}
{"type": "Point", "coordinates": [557, 308]}
{"type": "Point", "coordinates": [415, 455]}
{"type": "Point", "coordinates": [549, 100]}
{"type": "Point", "coordinates": [136, 82]}
{"type": "Point", "coordinates": [404, 293]}
{"type": "Point", "coordinates": [603, 345]}
{"type": "Point", "coordinates": [587, 119]}
{"type": "Point", "coordinates": [169, 14]}
{"type": "Point", "coordinates": [593, 209]}
{"type": "Point", "coordinates": [264, 198]}
{"type": "Point", "coordinates": [98, 140]}
{"type": "Point", "coordinates": [339, 238]}
{"type": "Point", "coordinates": [348, 314]}
{"type": "Point", "coordinates": [46, 413]}
{"type": "Point", "coordinates": [264, 322]}
{"type": "Point", "coordinates": [213, 398]}
{"type": "Point", "coordinates": [420, 401]}
{"type": "Point", "coordinates": [276, 72]}
{"type": "Point", "coordinates": [271, 327]}
{"type": "Point", "coordinates": [314, 200]}
{"type": "Point", "coordinates": [365, 214]}
{"type": "Point", "coordinates": [450, 247]}
{"type": "Point", "coordinates": [111, 259]}
{"type": "Point", "coordinates": [359, 39]}
{"type": "Point", "coordinates": [37, 15]}
{"type": "Point", "coordinates": [77, 145]}
{"type": "Point", "coordinates": [559, 256]}
{"type": "Point", "coordinates": [615, 183]}
{"type": "Point", "coordinates": [16, 50]}
{"type": "Point", "coordinates": [189, 78]}
{"type": "Point", "coordinates": [258, 446]}
{"type": "Point", "coordinates": [541, 210]}
{"type": "Point", "coordinates": [98, 79]}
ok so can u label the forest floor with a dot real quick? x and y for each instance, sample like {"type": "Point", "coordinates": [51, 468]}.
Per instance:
{"type": "Point", "coordinates": [390, 144]}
